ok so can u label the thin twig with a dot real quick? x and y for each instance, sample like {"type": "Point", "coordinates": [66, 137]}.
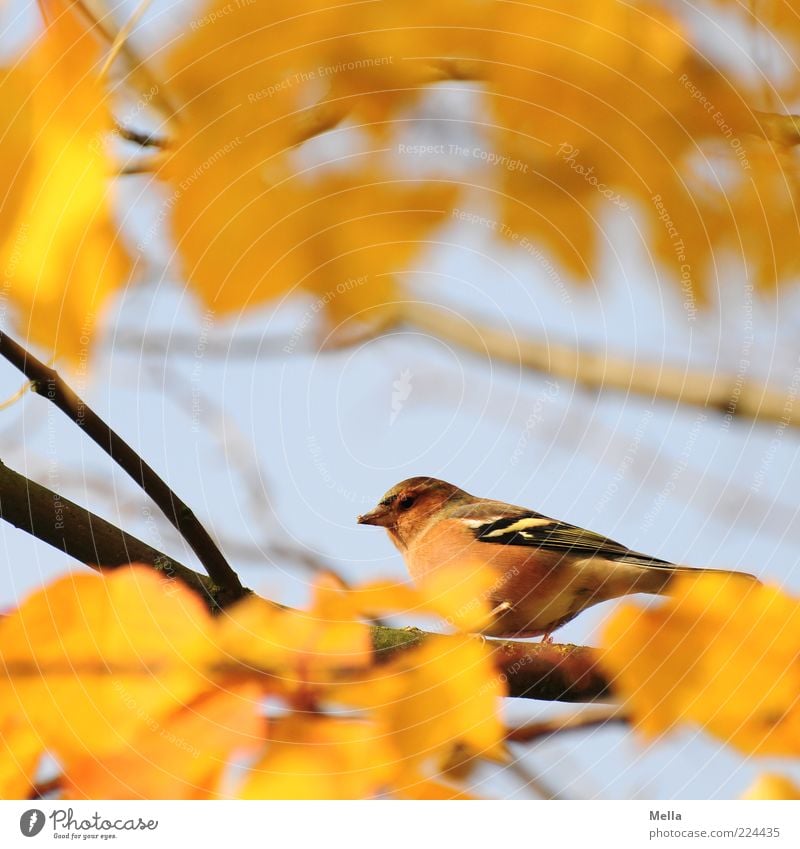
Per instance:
{"type": "Point", "coordinates": [139, 137]}
{"type": "Point", "coordinates": [593, 718]}
{"type": "Point", "coordinates": [137, 68]}
{"type": "Point", "coordinates": [45, 789]}
{"type": "Point", "coordinates": [47, 382]}
{"type": "Point", "coordinates": [121, 38]}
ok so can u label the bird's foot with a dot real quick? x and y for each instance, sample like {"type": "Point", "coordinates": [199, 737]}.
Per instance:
{"type": "Point", "coordinates": [547, 639]}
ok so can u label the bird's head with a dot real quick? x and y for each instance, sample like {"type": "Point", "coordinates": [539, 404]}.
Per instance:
{"type": "Point", "coordinates": [407, 505]}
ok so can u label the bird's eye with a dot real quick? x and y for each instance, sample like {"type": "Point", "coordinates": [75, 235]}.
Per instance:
{"type": "Point", "coordinates": [405, 503]}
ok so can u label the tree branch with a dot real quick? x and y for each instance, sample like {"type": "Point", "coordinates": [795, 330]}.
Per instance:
{"type": "Point", "coordinates": [585, 719]}
{"type": "Point", "coordinates": [47, 382]}
{"type": "Point", "coordinates": [76, 531]}
{"type": "Point", "coordinates": [727, 394]}
{"type": "Point", "coordinates": [549, 672]}
{"type": "Point", "coordinates": [600, 371]}
{"type": "Point", "coordinates": [530, 670]}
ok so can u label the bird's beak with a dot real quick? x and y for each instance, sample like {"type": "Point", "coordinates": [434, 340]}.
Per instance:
{"type": "Point", "coordinates": [380, 515]}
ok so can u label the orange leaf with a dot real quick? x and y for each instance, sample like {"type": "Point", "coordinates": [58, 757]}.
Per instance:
{"type": "Point", "coordinates": [181, 757]}
{"type": "Point", "coordinates": [88, 660]}
{"type": "Point", "coordinates": [315, 758]}
{"type": "Point", "coordinates": [58, 242]}
{"type": "Point", "coordinates": [723, 653]}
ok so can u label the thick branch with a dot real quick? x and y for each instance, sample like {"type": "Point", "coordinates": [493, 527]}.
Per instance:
{"type": "Point", "coordinates": [47, 382]}
{"type": "Point", "coordinates": [67, 526]}
{"type": "Point", "coordinates": [550, 672]}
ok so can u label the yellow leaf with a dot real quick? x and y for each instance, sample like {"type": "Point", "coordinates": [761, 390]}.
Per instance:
{"type": "Point", "coordinates": [769, 785]}
{"type": "Point", "coordinates": [249, 227]}
{"type": "Point", "coordinates": [722, 653]}
{"type": "Point", "coordinates": [434, 699]}
{"type": "Point", "coordinates": [460, 596]}
{"type": "Point", "coordinates": [321, 758]}
{"type": "Point", "coordinates": [600, 105]}
{"type": "Point", "coordinates": [182, 756]}
{"type": "Point", "coordinates": [59, 244]}
{"type": "Point", "coordinates": [20, 752]}
{"type": "Point", "coordinates": [88, 660]}
{"type": "Point", "coordinates": [295, 649]}
{"type": "Point", "coordinates": [431, 789]}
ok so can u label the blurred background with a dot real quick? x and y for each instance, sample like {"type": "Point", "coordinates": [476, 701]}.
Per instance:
{"type": "Point", "coordinates": [279, 429]}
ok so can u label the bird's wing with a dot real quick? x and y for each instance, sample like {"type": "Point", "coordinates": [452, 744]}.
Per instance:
{"type": "Point", "coordinates": [503, 524]}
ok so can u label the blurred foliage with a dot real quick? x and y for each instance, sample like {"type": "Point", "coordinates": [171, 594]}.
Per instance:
{"type": "Point", "coordinates": [580, 108]}
{"type": "Point", "coordinates": [137, 691]}
{"type": "Point", "coordinates": [722, 654]}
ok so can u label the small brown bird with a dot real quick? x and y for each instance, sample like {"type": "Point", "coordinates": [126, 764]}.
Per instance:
{"type": "Point", "coordinates": [547, 571]}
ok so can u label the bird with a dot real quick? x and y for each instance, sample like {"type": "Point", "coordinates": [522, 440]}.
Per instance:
{"type": "Point", "coordinates": [547, 571]}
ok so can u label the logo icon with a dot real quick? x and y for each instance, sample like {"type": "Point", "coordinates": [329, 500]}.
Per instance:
{"type": "Point", "coordinates": [31, 822]}
{"type": "Point", "coordinates": [401, 391]}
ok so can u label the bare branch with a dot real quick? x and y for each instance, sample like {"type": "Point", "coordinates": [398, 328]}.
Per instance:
{"type": "Point", "coordinates": [67, 526]}
{"type": "Point", "coordinates": [47, 382]}
{"type": "Point", "coordinates": [601, 371]}
{"type": "Point", "coordinates": [593, 718]}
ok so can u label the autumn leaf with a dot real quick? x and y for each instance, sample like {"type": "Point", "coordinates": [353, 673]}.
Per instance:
{"type": "Point", "coordinates": [20, 753]}
{"type": "Point", "coordinates": [723, 653]}
{"type": "Point", "coordinates": [182, 756]}
{"type": "Point", "coordinates": [772, 786]}
{"type": "Point", "coordinates": [458, 596]}
{"type": "Point", "coordinates": [321, 758]}
{"type": "Point", "coordinates": [432, 700]}
{"type": "Point", "coordinates": [59, 248]}
{"type": "Point", "coordinates": [88, 660]}
{"type": "Point", "coordinates": [295, 652]}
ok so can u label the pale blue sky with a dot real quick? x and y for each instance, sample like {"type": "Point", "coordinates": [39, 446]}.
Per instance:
{"type": "Point", "coordinates": [295, 446]}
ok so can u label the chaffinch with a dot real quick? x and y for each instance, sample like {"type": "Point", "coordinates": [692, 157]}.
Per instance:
{"type": "Point", "coordinates": [547, 571]}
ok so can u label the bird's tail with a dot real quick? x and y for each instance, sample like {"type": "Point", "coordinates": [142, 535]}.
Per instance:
{"type": "Point", "coordinates": [657, 577]}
